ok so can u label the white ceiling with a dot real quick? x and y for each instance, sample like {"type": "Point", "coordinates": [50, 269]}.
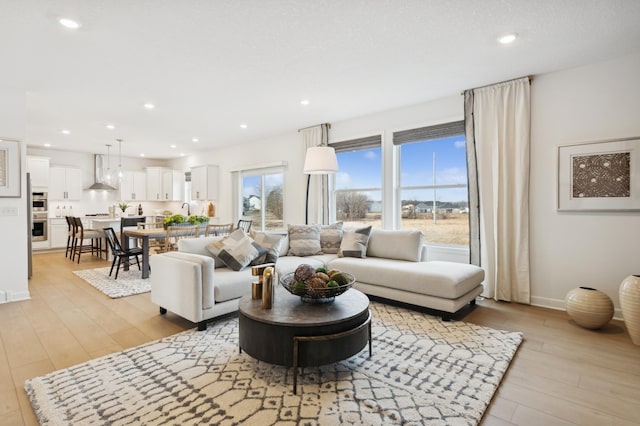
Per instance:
{"type": "Point", "coordinates": [210, 65]}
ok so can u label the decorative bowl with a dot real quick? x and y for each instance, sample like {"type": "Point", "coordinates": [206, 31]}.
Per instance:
{"type": "Point", "coordinates": [315, 295]}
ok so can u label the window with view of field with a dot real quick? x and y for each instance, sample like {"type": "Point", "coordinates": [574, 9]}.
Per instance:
{"type": "Point", "coordinates": [433, 189]}
{"type": "Point", "coordinates": [262, 200]}
{"type": "Point", "coordinates": [358, 183]}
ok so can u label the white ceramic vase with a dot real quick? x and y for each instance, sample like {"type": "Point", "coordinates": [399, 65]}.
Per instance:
{"type": "Point", "coordinates": [630, 303]}
{"type": "Point", "coordinates": [589, 308]}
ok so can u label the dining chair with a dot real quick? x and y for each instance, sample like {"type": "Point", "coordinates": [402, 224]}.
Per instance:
{"type": "Point", "coordinates": [217, 230]}
{"type": "Point", "coordinates": [80, 235]}
{"type": "Point", "coordinates": [118, 252]}
{"type": "Point", "coordinates": [154, 243]}
{"type": "Point", "coordinates": [245, 225]}
{"type": "Point", "coordinates": [130, 221]}
{"type": "Point", "coordinates": [174, 233]}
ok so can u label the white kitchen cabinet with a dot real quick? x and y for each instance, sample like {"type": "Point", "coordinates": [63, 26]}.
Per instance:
{"type": "Point", "coordinates": [154, 183]}
{"type": "Point", "coordinates": [133, 186]}
{"type": "Point", "coordinates": [38, 168]}
{"type": "Point", "coordinates": [204, 183]}
{"type": "Point", "coordinates": [65, 183]}
{"type": "Point", "coordinates": [172, 185]}
{"type": "Point", "coordinates": [58, 232]}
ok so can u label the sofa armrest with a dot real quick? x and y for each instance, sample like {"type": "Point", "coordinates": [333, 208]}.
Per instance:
{"type": "Point", "coordinates": [183, 283]}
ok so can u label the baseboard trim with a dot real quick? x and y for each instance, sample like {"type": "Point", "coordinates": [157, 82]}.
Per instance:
{"type": "Point", "coordinates": [559, 305]}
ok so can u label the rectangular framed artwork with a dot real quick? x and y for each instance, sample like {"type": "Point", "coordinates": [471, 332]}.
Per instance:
{"type": "Point", "coordinates": [9, 168]}
{"type": "Point", "coordinates": [599, 176]}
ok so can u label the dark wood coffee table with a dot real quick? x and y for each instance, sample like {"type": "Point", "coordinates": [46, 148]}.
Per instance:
{"type": "Point", "coordinates": [297, 334]}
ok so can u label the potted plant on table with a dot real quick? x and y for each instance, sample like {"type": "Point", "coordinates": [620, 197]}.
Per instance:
{"type": "Point", "coordinates": [123, 206]}
{"type": "Point", "coordinates": [178, 219]}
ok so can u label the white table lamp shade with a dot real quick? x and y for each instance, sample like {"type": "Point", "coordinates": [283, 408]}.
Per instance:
{"type": "Point", "coordinates": [320, 160]}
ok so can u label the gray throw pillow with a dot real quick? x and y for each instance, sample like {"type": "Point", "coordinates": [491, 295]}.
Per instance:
{"type": "Point", "coordinates": [271, 243]}
{"type": "Point", "coordinates": [330, 238]}
{"type": "Point", "coordinates": [354, 243]}
{"type": "Point", "coordinates": [304, 240]}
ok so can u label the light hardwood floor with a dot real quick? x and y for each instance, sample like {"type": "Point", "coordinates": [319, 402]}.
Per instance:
{"type": "Point", "coordinates": [561, 375]}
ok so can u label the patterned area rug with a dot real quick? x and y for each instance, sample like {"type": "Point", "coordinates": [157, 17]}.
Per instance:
{"type": "Point", "coordinates": [423, 371]}
{"type": "Point", "coordinates": [128, 283]}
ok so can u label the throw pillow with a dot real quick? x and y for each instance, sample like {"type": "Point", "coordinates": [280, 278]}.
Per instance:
{"type": "Point", "coordinates": [236, 250]}
{"type": "Point", "coordinates": [241, 255]}
{"type": "Point", "coordinates": [354, 243]}
{"type": "Point", "coordinates": [304, 240]}
{"type": "Point", "coordinates": [330, 238]}
{"type": "Point", "coordinates": [272, 245]}
{"type": "Point", "coordinates": [230, 240]}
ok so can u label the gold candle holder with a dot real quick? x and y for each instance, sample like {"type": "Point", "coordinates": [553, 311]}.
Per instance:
{"type": "Point", "coordinates": [257, 286]}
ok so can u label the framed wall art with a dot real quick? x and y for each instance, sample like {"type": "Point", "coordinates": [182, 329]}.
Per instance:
{"type": "Point", "coordinates": [10, 183]}
{"type": "Point", "coordinates": [599, 176]}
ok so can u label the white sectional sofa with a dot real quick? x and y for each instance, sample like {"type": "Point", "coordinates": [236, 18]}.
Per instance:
{"type": "Point", "coordinates": [190, 283]}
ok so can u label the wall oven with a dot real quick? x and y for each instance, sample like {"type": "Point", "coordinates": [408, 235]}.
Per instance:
{"type": "Point", "coordinates": [39, 230]}
{"type": "Point", "coordinates": [39, 202]}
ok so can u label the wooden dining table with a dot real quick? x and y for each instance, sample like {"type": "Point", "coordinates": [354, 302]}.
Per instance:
{"type": "Point", "coordinates": [145, 235]}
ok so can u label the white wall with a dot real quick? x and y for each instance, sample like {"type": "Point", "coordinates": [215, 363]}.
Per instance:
{"type": "Point", "coordinates": [599, 101]}
{"type": "Point", "coordinates": [13, 229]}
{"type": "Point", "coordinates": [569, 249]}
{"type": "Point", "coordinates": [288, 148]}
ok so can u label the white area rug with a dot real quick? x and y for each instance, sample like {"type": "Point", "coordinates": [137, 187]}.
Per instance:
{"type": "Point", "coordinates": [423, 371]}
{"type": "Point", "coordinates": [128, 283]}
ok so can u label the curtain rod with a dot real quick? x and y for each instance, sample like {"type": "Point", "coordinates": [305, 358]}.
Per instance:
{"type": "Point", "coordinates": [308, 127]}
{"type": "Point", "coordinates": [530, 77]}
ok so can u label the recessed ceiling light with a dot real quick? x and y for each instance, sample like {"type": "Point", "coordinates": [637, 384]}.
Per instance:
{"type": "Point", "coordinates": [149, 105]}
{"type": "Point", "coordinates": [195, 140]}
{"type": "Point", "coordinates": [172, 146]}
{"type": "Point", "coordinates": [65, 132]}
{"type": "Point", "coordinates": [110, 126]}
{"type": "Point", "coordinates": [243, 126]}
{"type": "Point", "coordinates": [182, 154]}
{"type": "Point", "coordinates": [69, 23]}
{"type": "Point", "coordinates": [508, 38]}
{"type": "Point", "coordinates": [142, 154]}
{"type": "Point", "coordinates": [305, 102]}
{"type": "Point", "coordinates": [47, 145]}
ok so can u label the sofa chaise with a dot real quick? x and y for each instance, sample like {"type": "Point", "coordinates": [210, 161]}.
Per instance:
{"type": "Point", "coordinates": [195, 285]}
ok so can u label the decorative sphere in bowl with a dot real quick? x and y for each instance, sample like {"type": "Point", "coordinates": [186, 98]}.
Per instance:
{"type": "Point", "coordinates": [312, 291]}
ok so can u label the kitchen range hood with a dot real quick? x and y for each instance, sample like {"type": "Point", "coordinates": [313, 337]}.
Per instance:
{"type": "Point", "coordinates": [98, 171]}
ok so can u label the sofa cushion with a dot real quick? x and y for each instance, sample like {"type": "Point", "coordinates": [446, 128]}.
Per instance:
{"type": "Point", "coordinates": [304, 240]}
{"type": "Point", "coordinates": [354, 243]}
{"type": "Point", "coordinates": [207, 266]}
{"type": "Point", "coordinates": [272, 244]}
{"type": "Point", "coordinates": [401, 245]}
{"type": "Point", "coordinates": [199, 246]}
{"type": "Point", "coordinates": [330, 237]}
{"type": "Point", "coordinates": [448, 280]}
{"type": "Point", "coordinates": [232, 284]}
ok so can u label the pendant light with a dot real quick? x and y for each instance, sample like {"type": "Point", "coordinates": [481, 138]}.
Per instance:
{"type": "Point", "coordinates": [119, 159]}
{"type": "Point", "coordinates": [107, 175]}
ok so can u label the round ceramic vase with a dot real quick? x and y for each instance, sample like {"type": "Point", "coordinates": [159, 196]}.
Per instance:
{"type": "Point", "coordinates": [630, 303]}
{"type": "Point", "coordinates": [589, 308]}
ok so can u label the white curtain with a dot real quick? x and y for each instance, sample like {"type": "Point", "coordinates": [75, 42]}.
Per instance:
{"type": "Point", "coordinates": [498, 133]}
{"type": "Point", "coordinates": [318, 203]}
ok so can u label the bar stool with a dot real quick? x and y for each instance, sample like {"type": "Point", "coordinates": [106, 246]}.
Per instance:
{"type": "Point", "coordinates": [71, 235]}
{"type": "Point", "coordinates": [81, 234]}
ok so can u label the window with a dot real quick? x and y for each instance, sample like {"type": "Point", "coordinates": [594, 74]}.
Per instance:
{"type": "Point", "coordinates": [433, 182]}
{"type": "Point", "coordinates": [358, 184]}
{"type": "Point", "coordinates": [262, 199]}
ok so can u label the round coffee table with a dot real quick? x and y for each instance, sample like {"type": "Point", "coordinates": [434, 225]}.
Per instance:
{"type": "Point", "coordinates": [298, 334]}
